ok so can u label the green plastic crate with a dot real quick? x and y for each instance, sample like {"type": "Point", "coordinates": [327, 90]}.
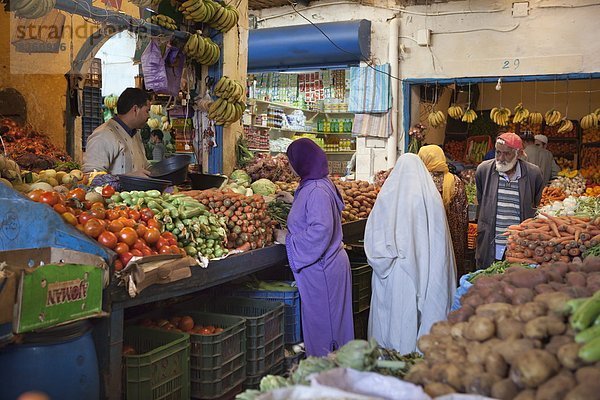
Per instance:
{"type": "Point", "coordinates": [218, 362]}
{"type": "Point", "coordinates": [361, 287]}
{"type": "Point", "coordinates": [161, 369]}
{"type": "Point", "coordinates": [253, 381]}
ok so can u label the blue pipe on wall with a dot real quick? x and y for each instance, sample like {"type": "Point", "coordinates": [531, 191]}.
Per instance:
{"type": "Point", "coordinates": [299, 47]}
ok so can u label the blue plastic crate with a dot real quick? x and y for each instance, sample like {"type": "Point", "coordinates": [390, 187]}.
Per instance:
{"type": "Point", "coordinates": [291, 301]}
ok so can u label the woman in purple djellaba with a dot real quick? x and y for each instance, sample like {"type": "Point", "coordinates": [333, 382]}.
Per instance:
{"type": "Point", "coordinates": [316, 254]}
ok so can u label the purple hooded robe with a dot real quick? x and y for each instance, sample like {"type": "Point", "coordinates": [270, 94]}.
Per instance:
{"type": "Point", "coordinates": [316, 255]}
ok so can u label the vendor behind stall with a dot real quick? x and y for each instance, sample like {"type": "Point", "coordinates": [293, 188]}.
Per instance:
{"type": "Point", "coordinates": [116, 146]}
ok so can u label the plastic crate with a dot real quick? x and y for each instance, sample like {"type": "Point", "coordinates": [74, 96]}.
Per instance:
{"type": "Point", "coordinates": [361, 324]}
{"type": "Point", "coordinates": [89, 124]}
{"type": "Point", "coordinates": [218, 362]}
{"type": "Point", "coordinates": [290, 362]}
{"type": "Point", "coordinates": [253, 381]}
{"type": "Point", "coordinates": [264, 328]}
{"type": "Point", "coordinates": [361, 287]}
{"type": "Point", "coordinates": [94, 76]}
{"type": "Point", "coordinates": [161, 370]}
{"type": "Point", "coordinates": [291, 301]}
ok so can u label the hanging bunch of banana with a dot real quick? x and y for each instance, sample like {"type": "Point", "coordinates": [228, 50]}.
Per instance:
{"type": "Point", "coordinates": [536, 118]}
{"type": "Point", "coordinates": [436, 118]}
{"type": "Point", "coordinates": [164, 21]}
{"type": "Point", "coordinates": [565, 126]}
{"type": "Point", "coordinates": [230, 106]}
{"type": "Point", "coordinates": [456, 112]}
{"type": "Point", "coordinates": [591, 120]}
{"type": "Point", "coordinates": [110, 102]}
{"type": "Point", "coordinates": [500, 115]}
{"type": "Point", "coordinates": [202, 50]}
{"type": "Point", "coordinates": [552, 117]}
{"type": "Point", "coordinates": [469, 116]}
{"type": "Point", "coordinates": [521, 114]}
{"type": "Point", "coordinates": [31, 9]}
{"type": "Point", "coordinates": [224, 18]}
{"type": "Point", "coordinates": [156, 109]}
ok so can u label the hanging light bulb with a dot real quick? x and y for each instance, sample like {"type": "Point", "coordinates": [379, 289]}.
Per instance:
{"type": "Point", "coordinates": [499, 84]}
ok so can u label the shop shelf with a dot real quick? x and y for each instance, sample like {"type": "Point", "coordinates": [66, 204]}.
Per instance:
{"type": "Point", "coordinates": [361, 286]}
{"type": "Point", "coordinates": [291, 300]}
{"type": "Point", "coordinates": [161, 369]}
{"type": "Point", "coordinates": [217, 362]}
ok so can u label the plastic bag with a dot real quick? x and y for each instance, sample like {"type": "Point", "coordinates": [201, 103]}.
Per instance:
{"type": "Point", "coordinates": [174, 62]}
{"type": "Point", "coordinates": [153, 68]}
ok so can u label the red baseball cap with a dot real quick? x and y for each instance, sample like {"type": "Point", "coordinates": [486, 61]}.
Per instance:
{"type": "Point", "coordinates": [511, 140]}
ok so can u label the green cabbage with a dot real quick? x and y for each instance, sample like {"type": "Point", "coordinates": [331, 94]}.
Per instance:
{"type": "Point", "coordinates": [264, 187]}
{"type": "Point", "coordinates": [272, 382]}
{"type": "Point", "coordinates": [241, 177]}
{"type": "Point", "coordinates": [309, 366]}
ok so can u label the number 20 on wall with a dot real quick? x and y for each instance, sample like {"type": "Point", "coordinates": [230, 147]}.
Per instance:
{"type": "Point", "coordinates": [511, 64]}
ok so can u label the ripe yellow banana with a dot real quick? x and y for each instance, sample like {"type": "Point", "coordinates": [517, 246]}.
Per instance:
{"type": "Point", "coordinates": [469, 116]}
{"type": "Point", "coordinates": [589, 121]}
{"type": "Point", "coordinates": [565, 126]}
{"type": "Point", "coordinates": [535, 118]}
{"type": "Point", "coordinates": [455, 112]}
{"type": "Point", "coordinates": [552, 117]}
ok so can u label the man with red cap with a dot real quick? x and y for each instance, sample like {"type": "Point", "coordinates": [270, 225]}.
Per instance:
{"type": "Point", "coordinates": [508, 192]}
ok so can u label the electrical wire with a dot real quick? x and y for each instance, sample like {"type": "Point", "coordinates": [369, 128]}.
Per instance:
{"type": "Point", "coordinates": [569, 6]}
{"type": "Point", "coordinates": [478, 30]}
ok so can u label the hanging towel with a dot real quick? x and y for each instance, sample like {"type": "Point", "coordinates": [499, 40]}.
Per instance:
{"type": "Point", "coordinates": [373, 125]}
{"type": "Point", "coordinates": [370, 90]}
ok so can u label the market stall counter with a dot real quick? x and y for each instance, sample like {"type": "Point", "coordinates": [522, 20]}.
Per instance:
{"type": "Point", "coordinates": [109, 331]}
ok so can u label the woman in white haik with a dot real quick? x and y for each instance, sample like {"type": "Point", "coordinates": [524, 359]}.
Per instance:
{"type": "Point", "coordinates": [408, 244]}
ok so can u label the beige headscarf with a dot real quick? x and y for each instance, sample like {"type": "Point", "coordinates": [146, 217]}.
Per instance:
{"type": "Point", "coordinates": [435, 161]}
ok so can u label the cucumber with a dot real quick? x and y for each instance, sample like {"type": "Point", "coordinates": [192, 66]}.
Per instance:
{"type": "Point", "coordinates": [588, 334]}
{"type": "Point", "coordinates": [586, 313]}
{"type": "Point", "coordinates": [590, 352]}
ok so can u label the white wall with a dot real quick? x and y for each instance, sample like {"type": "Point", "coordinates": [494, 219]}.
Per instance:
{"type": "Point", "coordinates": [118, 71]}
{"type": "Point", "coordinates": [469, 39]}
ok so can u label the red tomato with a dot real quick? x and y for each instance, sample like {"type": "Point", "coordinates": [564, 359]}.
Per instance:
{"type": "Point", "coordinates": [115, 226]}
{"type": "Point", "coordinates": [139, 244]}
{"type": "Point", "coordinates": [77, 193]}
{"type": "Point", "coordinates": [174, 249]}
{"type": "Point", "coordinates": [118, 265]}
{"type": "Point", "coordinates": [172, 241]}
{"type": "Point", "coordinates": [128, 235]}
{"type": "Point", "coordinates": [35, 195]}
{"type": "Point", "coordinates": [141, 230]}
{"type": "Point", "coordinates": [128, 222]}
{"type": "Point", "coordinates": [121, 248]}
{"type": "Point", "coordinates": [152, 236]}
{"type": "Point", "coordinates": [146, 214]}
{"type": "Point", "coordinates": [107, 239]}
{"type": "Point", "coordinates": [162, 242]}
{"type": "Point", "coordinates": [93, 228]}
{"type": "Point", "coordinates": [123, 213]}
{"type": "Point", "coordinates": [137, 253]}
{"type": "Point", "coordinates": [79, 227]}
{"type": "Point", "coordinates": [97, 204]}
{"type": "Point", "coordinates": [112, 214]}
{"type": "Point", "coordinates": [125, 258]}
{"type": "Point", "coordinates": [134, 215]}
{"type": "Point", "coordinates": [108, 191]}
{"type": "Point", "coordinates": [168, 235]}
{"type": "Point", "coordinates": [146, 252]}
{"type": "Point", "coordinates": [59, 208]}
{"type": "Point", "coordinates": [153, 223]}
{"type": "Point", "coordinates": [164, 250]}
{"type": "Point", "coordinates": [84, 217]}
{"type": "Point", "coordinates": [69, 218]}
{"type": "Point", "coordinates": [98, 213]}
{"type": "Point", "coordinates": [50, 198]}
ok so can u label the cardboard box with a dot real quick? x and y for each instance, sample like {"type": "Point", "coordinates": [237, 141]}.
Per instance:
{"type": "Point", "coordinates": [55, 286]}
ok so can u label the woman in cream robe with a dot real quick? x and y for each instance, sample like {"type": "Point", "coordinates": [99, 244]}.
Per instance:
{"type": "Point", "coordinates": [408, 244]}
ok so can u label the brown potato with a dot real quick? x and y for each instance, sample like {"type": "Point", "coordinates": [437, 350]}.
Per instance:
{"type": "Point", "coordinates": [456, 353]}
{"type": "Point", "coordinates": [510, 350]}
{"type": "Point", "coordinates": [480, 329]}
{"type": "Point", "coordinates": [528, 394]}
{"type": "Point", "coordinates": [448, 373]}
{"type": "Point", "coordinates": [544, 288]}
{"type": "Point", "coordinates": [531, 310]}
{"type": "Point", "coordinates": [440, 328]}
{"type": "Point", "coordinates": [556, 342]}
{"type": "Point", "coordinates": [544, 326]}
{"type": "Point", "coordinates": [568, 355]}
{"type": "Point", "coordinates": [419, 374]}
{"type": "Point", "coordinates": [436, 389]}
{"type": "Point", "coordinates": [494, 311]}
{"type": "Point", "coordinates": [576, 279]}
{"type": "Point", "coordinates": [496, 365]}
{"type": "Point", "coordinates": [504, 390]}
{"type": "Point", "coordinates": [477, 353]}
{"type": "Point", "coordinates": [555, 388]}
{"type": "Point", "coordinates": [479, 384]}
{"type": "Point", "coordinates": [533, 368]}
{"type": "Point", "coordinates": [584, 391]}
{"type": "Point", "coordinates": [591, 264]}
{"type": "Point", "coordinates": [522, 296]}
{"type": "Point", "coordinates": [458, 329]}
{"type": "Point", "coordinates": [555, 302]}
{"type": "Point", "coordinates": [509, 329]}
{"type": "Point", "coordinates": [462, 314]}
{"type": "Point", "coordinates": [527, 278]}
{"type": "Point", "coordinates": [587, 374]}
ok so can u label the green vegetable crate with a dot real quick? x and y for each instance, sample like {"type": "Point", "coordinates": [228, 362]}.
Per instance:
{"type": "Point", "coordinates": [361, 286]}
{"type": "Point", "coordinates": [264, 327]}
{"type": "Point", "coordinates": [218, 362]}
{"type": "Point", "coordinates": [161, 369]}
{"type": "Point", "coordinates": [252, 382]}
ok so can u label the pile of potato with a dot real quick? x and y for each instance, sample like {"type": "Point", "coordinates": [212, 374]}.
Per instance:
{"type": "Point", "coordinates": [513, 339]}
{"type": "Point", "coordinates": [359, 197]}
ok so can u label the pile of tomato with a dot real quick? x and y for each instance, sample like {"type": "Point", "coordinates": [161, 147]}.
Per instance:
{"type": "Point", "coordinates": [130, 233]}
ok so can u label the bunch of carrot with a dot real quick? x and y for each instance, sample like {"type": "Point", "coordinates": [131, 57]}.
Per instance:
{"type": "Point", "coordinates": [552, 194]}
{"type": "Point", "coordinates": [550, 238]}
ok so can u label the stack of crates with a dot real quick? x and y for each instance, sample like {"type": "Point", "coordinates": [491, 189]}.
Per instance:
{"type": "Point", "coordinates": [361, 297]}
{"type": "Point", "coordinates": [160, 369]}
{"type": "Point", "coordinates": [291, 301]}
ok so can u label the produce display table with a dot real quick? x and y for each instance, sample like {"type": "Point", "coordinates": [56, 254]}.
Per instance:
{"type": "Point", "coordinates": [109, 331]}
{"type": "Point", "coordinates": [354, 232]}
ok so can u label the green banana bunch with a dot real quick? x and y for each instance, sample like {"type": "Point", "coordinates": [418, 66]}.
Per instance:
{"type": "Point", "coordinates": [586, 319]}
{"type": "Point", "coordinates": [164, 21]}
{"type": "Point", "coordinates": [31, 9]}
{"type": "Point", "coordinates": [229, 89]}
{"type": "Point", "coordinates": [224, 112]}
{"type": "Point", "coordinates": [224, 18]}
{"type": "Point", "coordinates": [201, 49]}
{"type": "Point", "coordinates": [194, 10]}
